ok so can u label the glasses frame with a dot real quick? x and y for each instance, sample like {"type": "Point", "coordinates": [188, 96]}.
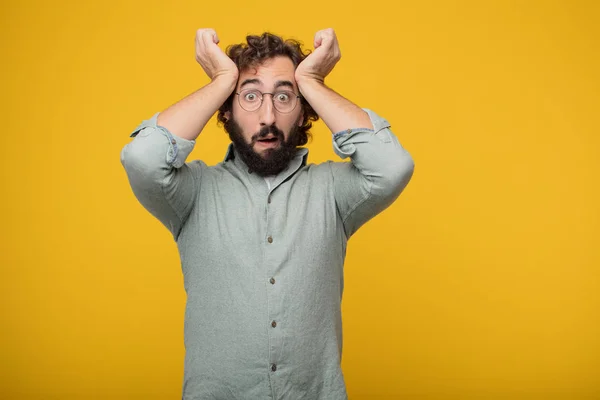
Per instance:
{"type": "Point", "coordinates": [262, 98]}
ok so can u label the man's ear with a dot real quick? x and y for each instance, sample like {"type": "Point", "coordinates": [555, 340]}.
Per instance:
{"type": "Point", "coordinates": [227, 115]}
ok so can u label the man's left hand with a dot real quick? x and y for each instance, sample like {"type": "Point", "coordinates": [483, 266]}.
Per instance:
{"type": "Point", "coordinates": [321, 61]}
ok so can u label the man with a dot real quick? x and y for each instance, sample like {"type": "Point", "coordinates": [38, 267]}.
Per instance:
{"type": "Point", "coordinates": [262, 235]}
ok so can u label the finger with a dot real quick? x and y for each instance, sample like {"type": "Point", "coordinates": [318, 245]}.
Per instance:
{"type": "Point", "coordinates": [330, 39]}
{"type": "Point", "coordinates": [209, 36]}
{"type": "Point", "coordinates": [326, 37]}
{"type": "Point", "coordinates": [318, 39]}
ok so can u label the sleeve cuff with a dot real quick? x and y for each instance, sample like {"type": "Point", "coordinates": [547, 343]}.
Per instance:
{"type": "Point", "coordinates": [343, 141]}
{"type": "Point", "coordinates": [178, 149]}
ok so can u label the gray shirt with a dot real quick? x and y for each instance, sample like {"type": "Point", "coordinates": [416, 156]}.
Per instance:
{"type": "Point", "coordinates": [263, 266]}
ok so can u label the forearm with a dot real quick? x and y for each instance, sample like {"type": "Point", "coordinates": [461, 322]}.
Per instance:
{"type": "Point", "coordinates": [187, 118]}
{"type": "Point", "coordinates": [337, 112]}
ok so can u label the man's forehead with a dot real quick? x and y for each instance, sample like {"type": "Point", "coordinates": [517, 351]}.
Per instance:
{"type": "Point", "coordinates": [269, 72]}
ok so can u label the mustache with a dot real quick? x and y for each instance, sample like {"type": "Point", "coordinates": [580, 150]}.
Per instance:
{"type": "Point", "coordinates": [266, 130]}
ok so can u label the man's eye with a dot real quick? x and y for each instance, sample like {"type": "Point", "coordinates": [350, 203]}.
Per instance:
{"type": "Point", "coordinates": [251, 97]}
{"type": "Point", "coordinates": [283, 97]}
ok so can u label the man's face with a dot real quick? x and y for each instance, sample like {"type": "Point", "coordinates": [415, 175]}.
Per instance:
{"type": "Point", "coordinates": [266, 137]}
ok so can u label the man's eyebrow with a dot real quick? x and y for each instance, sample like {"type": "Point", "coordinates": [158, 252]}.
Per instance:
{"type": "Point", "coordinates": [279, 84]}
{"type": "Point", "coordinates": [250, 81]}
{"type": "Point", "coordinates": [257, 81]}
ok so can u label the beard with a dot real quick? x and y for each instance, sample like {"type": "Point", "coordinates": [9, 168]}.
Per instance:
{"type": "Point", "coordinates": [274, 160]}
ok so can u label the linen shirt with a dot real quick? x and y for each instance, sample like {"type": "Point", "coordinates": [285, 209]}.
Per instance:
{"type": "Point", "coordinates": [263, 266]}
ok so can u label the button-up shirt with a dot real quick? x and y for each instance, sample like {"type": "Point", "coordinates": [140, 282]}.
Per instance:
{"type": "Point", "coordinates": [263, 264]}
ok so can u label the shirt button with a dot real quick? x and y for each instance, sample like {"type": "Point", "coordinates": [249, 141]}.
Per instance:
{"type": "Point", "coordinates": [173, 141]}
{"type": "Point", "coordinates": [273, 324]}
{"type": "Point", "coordinates": [273, 367]}
{"type": "Point", "coordinates": [349, 130]}
{"type": "Point", "coordinates": [272, 280]}
{"type": "Point", "coordinates": [270, 239]}
{"type": "Point", "coordinates": [269, 199]}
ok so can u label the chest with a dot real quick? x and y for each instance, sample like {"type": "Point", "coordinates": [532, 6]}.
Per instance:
{"type": "Point", "coordinates": [242, 231]}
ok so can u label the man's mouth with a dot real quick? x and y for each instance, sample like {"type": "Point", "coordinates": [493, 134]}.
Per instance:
{"type": "Point", "coordinates": [268, 141]}
{"type": "Point", "coordinates": [268, 138]}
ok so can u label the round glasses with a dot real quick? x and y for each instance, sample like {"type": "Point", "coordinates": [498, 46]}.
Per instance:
{"type": "Point", "coordinates": [284, 101]}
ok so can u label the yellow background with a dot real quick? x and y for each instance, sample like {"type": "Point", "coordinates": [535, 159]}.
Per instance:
{"type": "Point", "coordinates": [481, 282]}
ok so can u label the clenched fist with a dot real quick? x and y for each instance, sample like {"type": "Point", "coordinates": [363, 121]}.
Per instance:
{"type": "Point", "coordinates": [321, 61]}
{"type": "Point", "coordinates": [211, 58]}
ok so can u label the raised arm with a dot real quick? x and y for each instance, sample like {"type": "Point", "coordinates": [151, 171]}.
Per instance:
{"type": "Point", "coordinates": [380, 167]}
{"type": "Point", "coordinates": [187, 118]}
{"type": "Point", "coordinates": [155, 159]}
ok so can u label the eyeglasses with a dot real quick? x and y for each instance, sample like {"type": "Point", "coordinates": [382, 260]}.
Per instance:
{"type": "Point", "coordinates": [284, 101]}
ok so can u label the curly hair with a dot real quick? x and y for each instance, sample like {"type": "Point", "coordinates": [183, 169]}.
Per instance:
{"type": "Point", "coordinates": [253, 53]}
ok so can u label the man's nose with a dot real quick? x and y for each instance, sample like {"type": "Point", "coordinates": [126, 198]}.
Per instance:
{"type": "Point", "coordinates": [267, 111]}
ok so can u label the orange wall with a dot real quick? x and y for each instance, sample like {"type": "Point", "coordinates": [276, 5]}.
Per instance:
{"type": "Point", "coordinates": [481, 282]}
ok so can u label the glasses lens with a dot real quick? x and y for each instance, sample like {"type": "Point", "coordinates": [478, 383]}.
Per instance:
{"type": "Point", "coordinates": [284, 101]}
{"type": "Point", "coordinates": [250, 100]}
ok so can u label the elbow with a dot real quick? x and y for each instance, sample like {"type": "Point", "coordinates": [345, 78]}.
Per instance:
{"type": "Point", "coordinates": [142, 163]}
{"type": "Point", "coordinates": [403, 170]}
{"type": "Point", "coordinates": [396, 176]}
{"type": "Point", "coordinates": [132, 159]}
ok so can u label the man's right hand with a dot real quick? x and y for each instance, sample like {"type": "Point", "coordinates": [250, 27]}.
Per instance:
{"type": "Point", "coordinates": [211, 58]}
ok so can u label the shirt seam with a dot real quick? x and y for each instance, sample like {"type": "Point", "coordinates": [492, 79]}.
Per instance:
{"type": "Point", "coordinates": [162, 189]}
{"type": "Point", "coordinates": [359, 203]}
{"type": "Point", "coordinates": [163, 186]}
{"type": "Point", "coordinates": [356, 205]}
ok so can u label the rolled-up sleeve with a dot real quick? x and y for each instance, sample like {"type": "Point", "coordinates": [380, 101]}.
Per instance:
{"type": "Point", "coordinates": [162, 181]}
{"type": "Point", "coordinates": [379, 170]}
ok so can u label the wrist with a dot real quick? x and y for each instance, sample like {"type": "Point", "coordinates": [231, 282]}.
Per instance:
{"type": "Point", "coordinates": [309, 80]}
{"type": "Point", "coordinates": [225, 81]}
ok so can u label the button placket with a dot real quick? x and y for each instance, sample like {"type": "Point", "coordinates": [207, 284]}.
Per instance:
{"type": "Point", "coordinates": [272, 261]}
{"type": "Point", "coordinates": [272, 291]}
